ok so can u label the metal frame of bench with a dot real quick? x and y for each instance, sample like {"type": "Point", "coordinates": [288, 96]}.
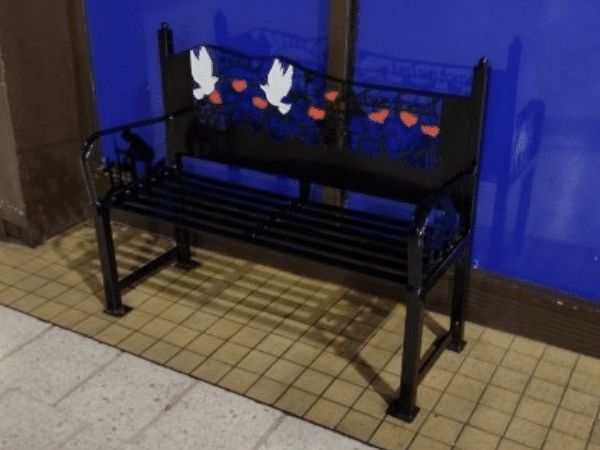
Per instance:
{"type": "Point", "coordinates": [387, 248]}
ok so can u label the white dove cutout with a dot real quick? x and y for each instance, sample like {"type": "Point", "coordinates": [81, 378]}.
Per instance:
{"type": "Point", "coordinates": [278, 86]}
{"type": "Point", "coordinates": [202, 72]}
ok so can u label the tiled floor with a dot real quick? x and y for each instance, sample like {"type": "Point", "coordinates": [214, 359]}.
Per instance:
{"type": "Point", "coordinates": [291, 347]}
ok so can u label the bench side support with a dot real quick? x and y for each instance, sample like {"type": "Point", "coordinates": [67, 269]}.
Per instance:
{"type": "Point", "coordinates": [405, 406]}
{"type": "Point", "coordinates": [184, 256]}
{"type": "Point", "coordinates": [113, 305]}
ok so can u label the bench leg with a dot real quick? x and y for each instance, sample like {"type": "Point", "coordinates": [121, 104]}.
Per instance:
{"type": "Point", "coordinates": [184, 256]}
{"type": "Point", "coordinates": [461, 280]}
{"type": "Point", "coordinates": [405, 407]}
{"type": "Point", "coordinates": [108, 262]}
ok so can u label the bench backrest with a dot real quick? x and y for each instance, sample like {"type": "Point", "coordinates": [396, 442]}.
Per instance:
{"type": "Point", "coordinates": [273, 115]}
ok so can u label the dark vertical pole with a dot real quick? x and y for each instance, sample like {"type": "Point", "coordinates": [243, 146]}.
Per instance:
{"type": "Point", "coordinates": [108, 263]}
{"type": "Point", "coordinates": [343, 17]}
{"type": "Point", "coordinates": [165, 46]}
{"type": "Point", "coordinates": [405, 406]}
{"type": "Point", "coordinates": [465, 201]}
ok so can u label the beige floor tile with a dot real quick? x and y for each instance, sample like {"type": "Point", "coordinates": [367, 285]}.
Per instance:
{"type": "Point", "coordinates": [498, 338]}
{"type": "Point", "coordinates": [528, 346]}
{"type": "Point", "coordinates": [391, 437]}
{"type": "Point", "coordinates": [372, 403]}
{"type": "Point", "coordinates": [427, 397]}
{"type": "Point", "coordinates": [90, 305]}
{"type": "Point", "coordinates": [441, 429]}
{"type": "Point", "coordinates": [508, 444]}
{"type": "Point", "coordinates": [200, 321]}
{"type": "Point", "coordinates": [544, 391]}
{"type": "Point", "coordinates": [51, 290]}
{"type": "Point", "coordinates": [526, 432]}
{"type": "Point", "coordinates": [588, 364]}
{"type": "Point", "coordinates": [71, 297]}
{"type": "Point", "coordinates": [91, 326]}
{"type": "Point", "coordinates": [155, 305]}
{"type": "Point", "coordinates": [284, 371]}
{"type": "Point", "coordinates": [248, 336]}
{"type": "Point", "coordinates": [585, 382]}
{"type": "Point", "coordinates": [185, 361]}
{"type": "Point", "coordinates": [157, 327]}
{"type": "Point", "coordinates": [218, 306]}
{"type": "Point", "coordinates": [580, 402]}
{"type": "Point", "coordinates": [10, 295]}
{"type": "Point", "coordinates": [238, 380]}
{"type": "Point", "coordinates": [564, 358]}
{"type": "Point", "coordinates": [205, 344]}
{"type": "Point", "coordinates": [573, 423]}
{"type": "Point", "coordinates": [137, 343]}
{"type": "Point", "coordinates": [230, 353]}
{"type": "Point", "coordinates": [519, 362]}
{"type": "Point", "coordinates": [479, 370]}
{"type": "Point", "coordinates": [275, 345]}
{"type": "Point", "coordinates": [437, 378]}
{"type": "Point", "coordinates": [343, 392]}
{"type": "Point", "coordinates": [472, 438]}
{"type": "Point", "coordinates": [595, 437]}
{"type": "Point", "coordinates": [557, 440]}
{"type": "Point", "coordinates": [180, 336]}
{"type": "Point", "coordinates": [452, 361]}
{"type": "Point", "coordinates": [454, 407]}
{"type": "Point", "coordinates": [212, 370]}
{"type": "Point", "coordinates": [135, 319]}
{"type": "Point", "coordinates": [536, 411]}
{"type": "Point", "coordinates": [242, 314]}
{"type": "Point", "coordinates": [490, 420]}
{"type": "Point", "coordinates": [375, 357]}
{"type": "Point", "coordinates": [113, 334]}
{"type": "Point", "coordinates": [266, 321]}
{"type": "Point", "coordinates": [359, 374]}
{"type": "Point", "coordinates": [313, 381]}
{"type": "Point", "coordinates": [161, 352]}
{"type": "Point", "coordinates": [13, 276]}
{"type": "Point", "coordinates": [510, 380]}
{"type": "Point", "coordinates": [302, 354]}
{"type": "Point", "coordinates": [358, 425]}
{"type": "Point", "coordinates": [266, 390]}
{"type": "Point", "coordinates": [466, 387]}
{"type": "Point", "coordinates": [257, 362]}
{"type": "Point", "coordinates": [552, 372]}
{"type": "Point", "coordinates": [593, 446]}
{"type": "Point", "coordinates": [28, 303]}
{"type": "Point", "coordinates": [319, 338]}
{"type": "Point", "coordinates": [500, 399]}
{"type": "Point", "coordinates": [424, 443]}
{"type": "Point", "coordinates": [487, 352]}
{"type": "Point", "coordinates": [48, 310]}
{"type": "Point", "coordinates": [291, 329]}
{"type": "Point", "coordinates": [177, 313]}
{"type": "Point", "coordinates": [359, 331]}
{"type": "Point", "coordinates": [326, 413]}
{"type": "Point", "coordinates": [295, 401]}
{"type": "Point", "coordinates": [69, 318]}
{"type": "Point", "coordinates": [329, 364]}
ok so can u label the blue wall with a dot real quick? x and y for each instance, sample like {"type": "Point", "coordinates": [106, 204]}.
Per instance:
{"type": "Point", "coordinates": [538, 215]}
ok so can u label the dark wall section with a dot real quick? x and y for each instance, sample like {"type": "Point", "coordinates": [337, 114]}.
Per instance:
{"type": "Point", "coordinates": [50, 101]}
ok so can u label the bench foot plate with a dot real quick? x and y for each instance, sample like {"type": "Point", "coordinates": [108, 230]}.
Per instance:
{"type": "Point", "coordinates": [395, 410]}
{"type": "Point", "coordinates": [188, 265]}
{"type": "Point", "coordinates": [457, 347]}
{"type": "Point", "coordinates": [120, 311]}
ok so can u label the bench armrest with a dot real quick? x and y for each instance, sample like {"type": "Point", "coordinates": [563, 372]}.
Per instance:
{"type": "Point", "coordinates": [90, 142]}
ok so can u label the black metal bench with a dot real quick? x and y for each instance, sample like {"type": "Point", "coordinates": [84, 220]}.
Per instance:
{"type": "Point", "coordinates": [274, 116]}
